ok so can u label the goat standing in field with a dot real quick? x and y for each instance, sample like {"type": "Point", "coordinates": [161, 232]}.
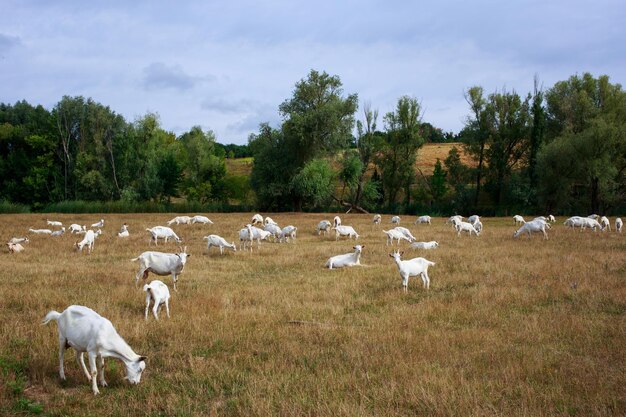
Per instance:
{"type": "Point", "coordinates": [395, 234]}
{"type": "Point", "coordinates": [377, 219]}
{"type": "Point", "coordinates": [162, 264]}
{"type": "Point", "coordinates": [534, 226]}
{"type": "Point", "coordinates": [220, 242]}
{"type": "Point", "coordinates": [348, 259]}
{"type": "Point", "coordinates": [159, 294]}
{"type": "Point", "coordinates": [87, 331]}
{"type": "Point", "coordinates": [323, 226]}
{"type": "Point", "coordinates": [162, 232]}
{"type": "Point", "coordinates": [412, 268]}
{"type": "Point", "coordinates": [423, 219]}
{"type": "Point", "coordinates": [88, 240]}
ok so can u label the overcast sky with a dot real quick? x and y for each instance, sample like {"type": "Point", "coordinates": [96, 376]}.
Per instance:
{"type": "Point", "coordinates": [227, 65]}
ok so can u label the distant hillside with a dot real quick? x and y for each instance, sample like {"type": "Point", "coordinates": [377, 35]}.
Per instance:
{"type": "Point", "coordinates": [426, 159]}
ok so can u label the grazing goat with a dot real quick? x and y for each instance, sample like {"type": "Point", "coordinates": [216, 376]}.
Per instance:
{"type": "Point", "coordinates": [88, 240]}
{"type": "Point", "coordinates": [590, 223]}
{"type": "Point", "coordinates": [77, 228]}
{"type": "Point", "coordinates": [257, 218]}
{"type": "Point", "coordinates": [159, 294]}
{"type": "Point", "coordinates": [123, 231]}
{"type": "Point", "coordinates": [220, 242]}
{"type": "Point", "coordinates": [40, 231]}
{"type": "Point", "coordinates": [619, 225]}
{"type": "Point", "coordinates": [53, 223]}
{"type": "Point", "coordinates": [454, 219]}
{"type": "Point", "coordinates": [200, 219]}
{"type": "Point", "coordinates": [395, 234]}
{"type": "Point", "coordinates": [406, 232]}
{"type": "Point", "coordinates": [348, 259]}
{"type": "Point", "coordinates": [425, 245]}
{"type": "Point", "coordinates": [345, 231]}
{"type": "Point", "coordinates": [395, 220]}
{"type": "Point", "coordinates": [377, 218]}
{"type": "Point", "coordinates": [246, 237]}
{"type": "Point", "coordinates": [15, 247]}
{"type": "Point", "coordinates": [289, 232]}
{"type": "Point", "coordinates": [412, 268]}
{"type": "Point", "coordinates": [551, 218]}
{"type": "Point", "coordinates": [180, 220]}
{"type": "Point", "coordinates": [98, 225]}
{"type": "Point", "coordinates": [604, 222]}
{"type": "Point", "coordinates": [162, 264]}
{"type": "Point", "coordinates": [87, 331]}
{"type": "Point", "coordinates": [478, 226]}
{"type": "Point", "coordinates": [323, 226]}
{"type": "Point", "coordinates": [274, 229]}
{"type": "Point", "coordinates": [423, 219]}
{"type": "Point", "coordinates": [574, 221]}
{"type": "Point", "coordinates": [58, 232]}
{"type": "Point", "coordinates": [518, 219]}
{"type": "Point", "coordinates": [337, 221]}
{"type": "Point", "coordinates": [534, 226]}
{"type": "Point", "coordinates": [465, 227]}
{"type": "Point", "coordinates": [19, 240]}
{"type": "Point", "coordinates": [162, 232]}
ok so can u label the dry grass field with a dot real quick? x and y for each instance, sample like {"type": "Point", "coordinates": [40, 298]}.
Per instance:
{"type": "Point", "coordinates": [520, 327]}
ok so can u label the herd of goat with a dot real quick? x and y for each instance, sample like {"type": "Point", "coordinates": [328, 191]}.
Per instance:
{"type": "Point", "coordinates": [88, 332]}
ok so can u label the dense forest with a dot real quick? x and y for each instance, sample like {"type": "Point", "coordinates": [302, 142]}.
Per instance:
{"type": "Point", "coordinates": [560, 149]}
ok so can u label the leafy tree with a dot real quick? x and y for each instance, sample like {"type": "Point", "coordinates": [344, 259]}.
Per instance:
{"type": "Point", "coordinates": [587, 142]}
{"type": "Point", "coordinates": [398, 153]}
{"type": "Point", "coordinates": [314, 183]}
{"type": "Point", "coordinates": [438, 182]}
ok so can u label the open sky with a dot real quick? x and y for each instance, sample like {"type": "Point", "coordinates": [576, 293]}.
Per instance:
{"type": "Point", "coordinates": [227, 65]}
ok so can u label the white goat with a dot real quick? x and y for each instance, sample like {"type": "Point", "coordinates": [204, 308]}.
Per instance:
{"type": "Point", "coordinates": [406, 232]}
{"type": "Point", "coordinates": [574, 221]}
{"type": "Point", "coordinates": [269, 220]}
{"type": "Point", "coordinates": [534, 226]}
{"type": "Point", "coordinates": [454, 219]}
{"type": "Point", "coordinates": [98, 225]}
{"type": "Point", "coordinates": [395, 220]}
{"type": "Point", "coordinates": [619, 225]}
{"type": "Point", "coordinates": [473, 219]}
{"type": "Point", "coordinates": [220, 242]}
{"type": "Point", "coordinates": [604, 222]}
{"type": "Point", "coordinates": [423, 219]}
{"type": "Point", "coordinates": [159, 294]}
{"type": "Point", "coordinates": [76, 228]}
{"type": "Point", "coordinates": [180, 220]}
{"type": "Point", "coordinates": [162, 264]}
{"type": "Point", "coordinates": [593, 216]}
{"type": "Point", "coordinates": [274, 229]}
{"type": "Point", "coordinates": [425, 245]}
{"type": "Point", "coordinates": [348, 259]}
{"type": "Point", "coordinates": [395, 234]}
{"type": "Point", "coordinates": [518, 219]}
{"type": "Point", "coordinates": [289, 232]}
{"type": "Point", "coordinates": [337, 221]}
{"type": "Point", "coordinates": [201, 219]}
{"type": "Point", "coordinates": [465, 227]}
{"type": "Point", "coordinates": [590, 223]}
{"type": "Point", "coordinates": [162, 232]}
{"type": "Point", "coordinates": [551, 218]}
{"type": "Point", "coordinates": [377, 218]}
{"type": "Point", "coordinates": [345, 231]}
{"type": "Point", "coordinates": [15, 240]}
{"type": "Point", "coordinates": [86, 331]}
{"type": "Point", "coordinates": [412, 268]}
{"type": "Point", "coordinates": [41, 231]}
{"type": "Point", "coordinates": [257, 218]}
{"type": "Point", "coordinates": [478, 226]}
{"type": "Point", "coordinates": [15, 247]}
{"type": "Point", "coordinates": [123, 231]}
{"type": "Point", "coordinates": [246, 237]}
{"type": "Point", "coordinates": [53, 223]}
{"type": "Point", "coordinates": [58, 232]}
{"type": "Point", "coordinates": [323, 226]}
{"type": "Point", "coordinates": [88, 240]}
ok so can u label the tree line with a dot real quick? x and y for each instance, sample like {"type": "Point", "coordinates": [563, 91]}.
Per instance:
{"type": "Point", "coordinates": [561, 150]}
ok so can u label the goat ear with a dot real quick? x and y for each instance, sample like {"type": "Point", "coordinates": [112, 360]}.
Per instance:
{"type": "Point", "coordinates": [142, 358]}
{"type": "Point", "coordinates": [391, 255]}
{"type": "Point", "coordinates": [401, 253]}
{"type": "Point", "coordinates": [362, 246]}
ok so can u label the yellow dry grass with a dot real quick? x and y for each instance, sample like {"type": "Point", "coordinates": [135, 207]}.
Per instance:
{"type": "Point", "coordinates": [509, 327]}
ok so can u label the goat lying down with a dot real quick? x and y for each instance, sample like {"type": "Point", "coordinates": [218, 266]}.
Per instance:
{"type": "Point", "coordinates": [86, 331]}
{"type": "Point", "coordinates": [348, 259]}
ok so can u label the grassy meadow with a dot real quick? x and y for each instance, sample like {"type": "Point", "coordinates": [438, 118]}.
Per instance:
{"type": "Point", "coordinates": [509, 326]}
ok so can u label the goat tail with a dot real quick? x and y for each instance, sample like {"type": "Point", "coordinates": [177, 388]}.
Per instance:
{"type": "Point", "coordinates": [52, 315]}
{"type": "Point", "coordinates": [431, 263]}
{"type": "Point", "coordinates": [135, 259]}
